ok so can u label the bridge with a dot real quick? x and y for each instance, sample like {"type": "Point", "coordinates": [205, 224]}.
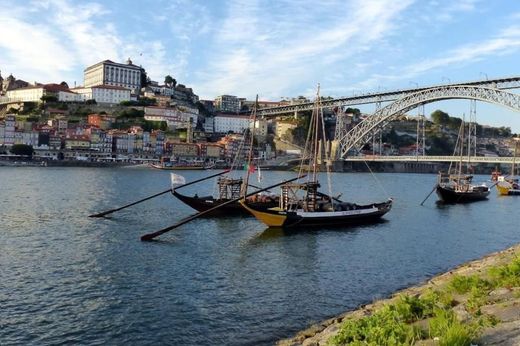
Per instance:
{"type": "Point", "coordinates": [387, 96]}
{"type": "Point", "coordinates": [425, 158]}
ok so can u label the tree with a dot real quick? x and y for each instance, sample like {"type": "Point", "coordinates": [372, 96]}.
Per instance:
{"type": "Point", "coordinates": [170, 81]}
{"type": "Point", "coordinates": [49, 98]}
{"type": "Point", "coordinates": [144, 78]}
{"type": "Point", "coordinates": [22, 149]}
{"type": "Point", "coordinates": [440, 118]}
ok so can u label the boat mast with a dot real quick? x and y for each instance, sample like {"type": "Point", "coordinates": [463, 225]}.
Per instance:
{"type": "Point", "coordinates": [315, 136]}
{"type": "Point", "coordinates": [250, 153]}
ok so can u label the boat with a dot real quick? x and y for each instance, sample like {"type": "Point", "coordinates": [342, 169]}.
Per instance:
{"type": "Point", "coordinates": [456, 186]}
{"type": "Point", "coordinates": [230, 188]}
{"type": "Point", "coordinates": [168, 164]}
{"type": "Point", "coordinates": [508, 185]}
{"type": "Point", "coordinates": [302, 204]}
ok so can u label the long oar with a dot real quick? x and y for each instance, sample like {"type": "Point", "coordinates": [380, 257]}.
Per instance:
{"type": "Point", "coordinates": [150, 236]}
{"type": "Point", "coordinates": [157, 194]}
{"type": "Point", "coordinates": [429, 194]}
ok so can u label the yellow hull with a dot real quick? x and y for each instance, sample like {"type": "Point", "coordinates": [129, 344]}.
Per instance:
{"type": "Point", "coordinates": [503, 189]}
{"type": "Point", "coordinates": [270, 219]}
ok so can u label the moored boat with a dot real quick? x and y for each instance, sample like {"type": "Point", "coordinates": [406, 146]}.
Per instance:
{"type": "Point", "coordinates": [457, 186]}
{"type": "Point", "coordinates": [508, 185]}
{"type": "Point", "coordinates": [229, 189]}
{"type": "Point", "coordinates": [301, 204]}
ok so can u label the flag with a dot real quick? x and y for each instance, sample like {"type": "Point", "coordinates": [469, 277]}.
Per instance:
{"type": "Point", "coordinates": [177, 179]}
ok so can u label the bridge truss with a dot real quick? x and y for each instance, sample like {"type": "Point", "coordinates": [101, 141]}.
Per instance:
{"type": "Point", "coordinates": [363, 132]}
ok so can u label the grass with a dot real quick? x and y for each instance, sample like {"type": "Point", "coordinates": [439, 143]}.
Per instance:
{"type": "Point", "coordinates": [394, 324]}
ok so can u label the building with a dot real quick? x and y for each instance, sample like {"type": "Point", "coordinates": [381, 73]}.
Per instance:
{"type": "Point", "coordinates": [101, 121]}
{"type": "Point", "coordinates": [230, 123]}
{"type": "Point", "coordinates": [11, 83]}
{"type": "Point", "coordinates": [227, 103]}
{"type": "Point", "coordinates": [115, 74]}
{"type": "Point", "coordinates": [178, 117]}
{"type": "Point", "coordinates": [35, 93]}
{"type": "Point", "coordinates": [104, 93]}
{"type": "Point", "coordinates": [283, 126]}
{"type": "Point", "coordinates": [185, 150]}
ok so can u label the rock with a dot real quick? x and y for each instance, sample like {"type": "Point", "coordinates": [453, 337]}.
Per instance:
{"type": "Point", "coordinates": [507, 311]}
{"type": "Point", "coordinates": [461, 313]}
{"type": "Point", "coordinates": [505, 334]}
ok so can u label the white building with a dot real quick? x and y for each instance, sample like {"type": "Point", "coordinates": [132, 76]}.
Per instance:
{"type": "Point", "coordinates": [233, 123]}
{"type": "Point", "coordinates": [104, 93]}
{"type": "Point", "coordinates": [174, 117]}
{"type": "Point", "coordinates": [35, 93]}
{"type": "Point", "coordinates": [110, 73]}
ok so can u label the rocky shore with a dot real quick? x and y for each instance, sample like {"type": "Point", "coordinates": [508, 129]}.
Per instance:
{"type": "Point", "coordinates": [497, 302]}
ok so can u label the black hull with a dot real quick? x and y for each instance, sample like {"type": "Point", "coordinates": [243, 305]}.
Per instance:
{"type": "Point", "coordinates": [448, 195]}
{"type": "Point", "coordinates": [232, 209]}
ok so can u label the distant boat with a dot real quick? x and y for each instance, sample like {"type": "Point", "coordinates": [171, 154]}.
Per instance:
{"type": "Point", "coordinates": [168, 164]}
{"type": "Point", "coordinates": [301, 204]}
{"type": "Point", "coordinates": [457, 186]}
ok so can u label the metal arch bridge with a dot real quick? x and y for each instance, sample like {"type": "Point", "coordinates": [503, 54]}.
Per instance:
{"type": "Point", "coordinates": [363, 132]}
{"type": "Point", "coordinates": [472, 159]}
{"type": "Point", "coordinates": [387, 96]}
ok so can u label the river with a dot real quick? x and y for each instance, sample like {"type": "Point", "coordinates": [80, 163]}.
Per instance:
{"type": "Point", "coordinates": [70, 279]}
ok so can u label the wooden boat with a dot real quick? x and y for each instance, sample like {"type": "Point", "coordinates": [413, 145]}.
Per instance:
{"type": "Point", "coordinates": [508, 185]}
{"type": "Point", "coordinates": [459, 189]}
{"type": "Point", "coordinates": [229, 189]}
{"type": "Point", "coordinates": [457, 186]}
{"type": "Point", "coordinates": [301, 204]}
{"type": "Point", "coordinates": [316, 210]}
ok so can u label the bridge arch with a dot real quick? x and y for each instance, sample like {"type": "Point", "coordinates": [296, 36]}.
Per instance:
{"type": "Point", "coordinates": [362, 133]}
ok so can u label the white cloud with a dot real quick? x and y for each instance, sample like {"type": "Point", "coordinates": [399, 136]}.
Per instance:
{"type": "Point", "coordinates": [269, 51]}
{"type": "Point", "coordinates": [506, 42]}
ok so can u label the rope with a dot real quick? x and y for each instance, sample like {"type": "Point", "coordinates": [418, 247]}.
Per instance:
{"type": "Point", "coordinates": [377, 180]}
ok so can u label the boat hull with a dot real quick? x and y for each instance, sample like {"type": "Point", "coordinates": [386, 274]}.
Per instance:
{"type": "Point", "coordinates": [449, 195]}
{"type": "Point", "coordinates": [506, 189]}
{"type": "Point", "coordinates": [202, 204]}
{"type": "Point", "coordinates": [275, 217]}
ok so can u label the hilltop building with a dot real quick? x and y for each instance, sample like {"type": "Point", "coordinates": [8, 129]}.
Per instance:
{"type": "Point", "coordinates": [111, 73]}
{"type": "Point", "coordinates": [11, 83]}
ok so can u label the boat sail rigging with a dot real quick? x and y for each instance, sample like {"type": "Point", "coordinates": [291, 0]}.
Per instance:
{"type": "Point", "coordinates": [457, 186]}
{"type": "Point", "coordinates": [302, 204]}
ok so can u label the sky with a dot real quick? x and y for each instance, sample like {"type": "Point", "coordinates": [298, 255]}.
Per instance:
{"type": "Point", "coordinates": [273, 48]}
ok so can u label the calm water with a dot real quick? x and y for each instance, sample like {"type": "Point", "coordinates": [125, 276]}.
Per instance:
{"type": "Point", "coordinates": [70, 279]}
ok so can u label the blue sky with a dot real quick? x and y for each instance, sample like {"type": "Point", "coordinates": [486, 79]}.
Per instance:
{"type": "Point", "coordinates": [276, 49]}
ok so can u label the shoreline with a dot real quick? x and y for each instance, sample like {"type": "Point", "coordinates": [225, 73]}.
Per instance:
{"type": "Point", "coordinates": [506, 332]}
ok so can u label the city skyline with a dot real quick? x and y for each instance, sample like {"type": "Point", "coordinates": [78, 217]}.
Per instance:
{"type": "Point", "coordinates": [274, 49]}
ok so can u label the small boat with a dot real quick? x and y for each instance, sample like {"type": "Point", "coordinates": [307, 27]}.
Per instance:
{"type": "Point", "coordinates": [301, 204]}
{"type": "Point", "coordinates": [168, 164]}
{"type": "Point", "coordinates": [508, 185]}
{"type": "Point", "coordinates": [229, 189]}
{"type": "Point", "coordinates": [456, 186]}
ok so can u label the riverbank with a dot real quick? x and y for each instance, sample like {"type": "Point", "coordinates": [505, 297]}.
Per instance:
{"type": "Point", "coordinates": [482, 297]}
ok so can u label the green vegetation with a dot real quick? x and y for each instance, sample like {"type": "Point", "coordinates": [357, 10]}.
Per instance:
{"type": "Point", "coordinates": [143, 102]}
{"type": "Point", "coordinates": [170, 81]}
{"type": "Point", "coordinates": [398, 323]}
